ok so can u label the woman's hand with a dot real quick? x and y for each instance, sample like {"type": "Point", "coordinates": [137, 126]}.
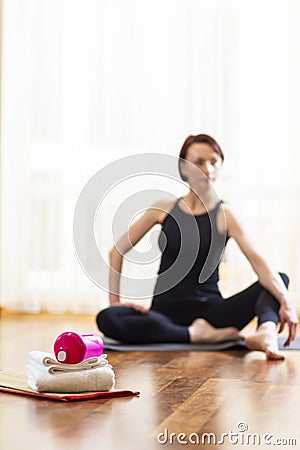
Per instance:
{"type": "Point", "coordinates": [288, 314]}
{"type": "Point", "coordinates": [139, 308]}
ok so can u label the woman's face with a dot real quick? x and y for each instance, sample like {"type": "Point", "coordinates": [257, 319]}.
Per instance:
{"type": "Point", "coordinates": [205, 164]}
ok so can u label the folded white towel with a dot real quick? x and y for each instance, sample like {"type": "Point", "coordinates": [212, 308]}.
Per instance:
{"type": "Point", "coordinates": [100, 378]}
{"type": "Point", "coordinates": [55, 367]}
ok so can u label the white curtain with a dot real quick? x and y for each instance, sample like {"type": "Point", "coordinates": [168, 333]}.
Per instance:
{"type": "Point", "coordinates": [85, 83]}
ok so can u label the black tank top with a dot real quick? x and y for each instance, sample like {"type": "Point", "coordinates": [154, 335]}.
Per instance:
{"type": "Point", "coordinates": [191, 247]}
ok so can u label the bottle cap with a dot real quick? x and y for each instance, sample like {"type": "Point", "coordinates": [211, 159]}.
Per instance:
{"type": "Point", "coordinates": [69, 348]}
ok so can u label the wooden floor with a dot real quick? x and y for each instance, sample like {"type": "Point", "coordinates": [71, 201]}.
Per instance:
{"type": "Point", "coordinates": [181, 392]}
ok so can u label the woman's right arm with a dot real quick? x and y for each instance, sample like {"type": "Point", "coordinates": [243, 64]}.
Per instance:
{"type": "Point", "coordinates": [135, 232]}
{"type": "Point", "coordinates": [115, 268]}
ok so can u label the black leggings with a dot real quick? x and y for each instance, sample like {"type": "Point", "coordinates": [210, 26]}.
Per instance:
{"type": "Point", "coordinates": [165, 323]}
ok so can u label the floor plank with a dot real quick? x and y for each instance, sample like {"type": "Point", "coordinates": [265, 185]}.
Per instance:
{"type": "Point", "coordinates": [181, 392]}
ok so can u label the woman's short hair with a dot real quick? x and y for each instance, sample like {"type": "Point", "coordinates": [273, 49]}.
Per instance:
{"type": "Point", "coordinates": [198, 138]}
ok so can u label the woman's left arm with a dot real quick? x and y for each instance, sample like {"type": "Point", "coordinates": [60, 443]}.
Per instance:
{"type": "Point", "coordinates": [267, 277]}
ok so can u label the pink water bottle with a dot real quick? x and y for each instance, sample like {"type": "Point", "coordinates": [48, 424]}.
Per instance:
{"type": "Point", "coordinates": [72, 348]}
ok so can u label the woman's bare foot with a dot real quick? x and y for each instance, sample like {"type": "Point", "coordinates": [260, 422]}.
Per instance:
{"type": "Point", "coordinates": [265, 339]}
{"type": "Point", "coordinates": [202, 331]}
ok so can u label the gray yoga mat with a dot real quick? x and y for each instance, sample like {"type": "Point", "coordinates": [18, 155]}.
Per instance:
{"type": "Point", "coordinates": [111, 344]}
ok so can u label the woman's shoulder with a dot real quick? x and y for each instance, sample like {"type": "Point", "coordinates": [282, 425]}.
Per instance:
{"type": "Point", "coordinates": [163, 207]}
{"type": "Point", "coordinates": [233, 221]}
{"type": "Point", "coordinates": [227, 208]}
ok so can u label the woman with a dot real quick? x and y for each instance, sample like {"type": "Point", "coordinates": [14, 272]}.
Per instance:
{"type": "Point", "coordinates": [190, 310]}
